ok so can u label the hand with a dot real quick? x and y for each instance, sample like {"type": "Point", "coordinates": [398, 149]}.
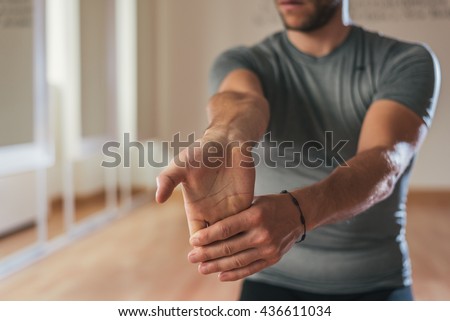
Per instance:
{"type": "Point", "coordinates": [248, 242]}
{"type": "Point", "coordinates": [213, 187]}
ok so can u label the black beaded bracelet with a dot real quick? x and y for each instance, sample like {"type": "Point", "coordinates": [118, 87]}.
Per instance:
{"type": "Point", "coordinates": [302, 217]}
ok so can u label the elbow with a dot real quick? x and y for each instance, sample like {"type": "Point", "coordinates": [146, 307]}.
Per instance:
{"type": "Point", "coordinates": [393, 168]}
{"type": "Point", "coordinates": [386, 188]}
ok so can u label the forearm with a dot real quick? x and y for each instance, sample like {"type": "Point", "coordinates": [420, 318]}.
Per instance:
{"type": "Point", "coordinates": [349, 190]}
{"type": "Point", "coordinates": [240, 116]}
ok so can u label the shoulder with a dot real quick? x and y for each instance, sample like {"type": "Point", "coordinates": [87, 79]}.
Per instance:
{"type": "Point", "coordinates": [406, 72]}
{"type": "Point", "coordinates": [258, 58]}
{"type": "Point", "coordinates": [262, 58]}
{"type": "Point", "coordinates": [390, 49]}
{"type": "Point", "coordinates": [268, 48]}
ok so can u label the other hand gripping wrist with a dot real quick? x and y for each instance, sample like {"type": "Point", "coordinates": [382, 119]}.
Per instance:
{"type": "Point", "coordinates": [302, 217]}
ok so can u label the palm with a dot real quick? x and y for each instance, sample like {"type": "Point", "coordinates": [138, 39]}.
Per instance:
{"type": "Point", "coordinates": [213, 193]}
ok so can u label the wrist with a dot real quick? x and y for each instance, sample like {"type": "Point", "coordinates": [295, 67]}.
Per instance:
{"type": "Point", "coordinates": [230, 139]}
{"type": "Point", "coordinates": [242, 116]}
{"type": "Point", "coordinates": [308, 199]}
{"type": "Point", "coordinates": [230, 145]}
{"type": "Point", "coordinates": [301, 227]}
{"type": "Point", "coordinates": [226, 134]}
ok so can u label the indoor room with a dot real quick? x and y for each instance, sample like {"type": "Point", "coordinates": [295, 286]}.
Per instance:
{"type": "Point", "coordinates": [98, 96]}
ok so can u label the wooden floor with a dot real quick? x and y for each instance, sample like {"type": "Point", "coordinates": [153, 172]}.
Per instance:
{"type": "Point", "coordinates": [143, 257]}
{"type": "Point", "coordinates": [84, 208]}
{"type": "Point", "coordinates": [428, 234]}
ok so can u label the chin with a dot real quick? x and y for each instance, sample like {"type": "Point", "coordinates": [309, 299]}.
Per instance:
{"type": "Point", "coordinates": [293, 25]}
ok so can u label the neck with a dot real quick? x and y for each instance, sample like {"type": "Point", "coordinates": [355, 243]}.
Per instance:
{"type": "Point", "coordinates": [323, 41]}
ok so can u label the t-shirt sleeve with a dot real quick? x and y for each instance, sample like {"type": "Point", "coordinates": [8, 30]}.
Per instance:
{"type": "Point", "coordinates": [411, 76]}
{"type": "Point", "coordinates": [232, 59]}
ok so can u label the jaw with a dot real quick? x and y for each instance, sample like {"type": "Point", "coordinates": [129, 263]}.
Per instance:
{"type": "Point", "coordinates": [295, 14]}
{"type": "Point", "coordinates": [306, 15]}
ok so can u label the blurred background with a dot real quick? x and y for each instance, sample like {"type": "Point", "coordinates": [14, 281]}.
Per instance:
{"type": "Point", "coordinates": [75, 74]}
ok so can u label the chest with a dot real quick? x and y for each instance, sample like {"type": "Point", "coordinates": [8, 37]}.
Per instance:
{"type": "Point", "coordinates": [331, 95]}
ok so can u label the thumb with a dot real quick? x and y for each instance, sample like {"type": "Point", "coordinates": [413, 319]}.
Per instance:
{"type": "Point", "coordinates": [167, 181]}
{"type": "Point", "coordinates": [196, 225]}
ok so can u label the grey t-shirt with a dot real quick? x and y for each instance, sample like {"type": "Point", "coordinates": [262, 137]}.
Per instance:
{"type": "Point", "coordinates": [322, 101]}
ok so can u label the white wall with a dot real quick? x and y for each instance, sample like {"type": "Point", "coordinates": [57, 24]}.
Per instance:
{"type": "Point", "coordinates": [16, 90]}
{"type": "Point", "coordinates": [17, 201]}
{"type": "Point", "coordinates": [147, 79]}
{"type": "Point", "coordinates": [190, 34]}
{"type": "Point", "coordinates": [18, 192]}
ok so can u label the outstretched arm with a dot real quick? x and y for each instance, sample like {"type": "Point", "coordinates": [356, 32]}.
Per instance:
{"type": "Point", "coordinates": [390, 137]}
{"type": "Point", "coordinates": [219, 186]}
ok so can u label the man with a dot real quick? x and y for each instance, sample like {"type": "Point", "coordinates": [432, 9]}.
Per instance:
{"type": "Point", "coordinates": [347, 111]}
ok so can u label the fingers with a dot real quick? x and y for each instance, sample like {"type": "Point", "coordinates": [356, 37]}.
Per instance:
{"type": "Point", "coordinates": [240, 260]}
{"type": "Point", "coordinates": [241, 273]}
{"type": "Point", "coordinates": [167, 181]}
{"type": "Point", "coordinates": [223, 229]}
{"type": "Point", "coordinates": [219, 249]}
{"type": "Point", "coordinates": [196, 225]}
{"type": "Point", "coordinates": [244, 243]}
{"type": "Point", "coordinates": [236, 257]}
{"type": "Point", "coordinates": [236, 267]}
